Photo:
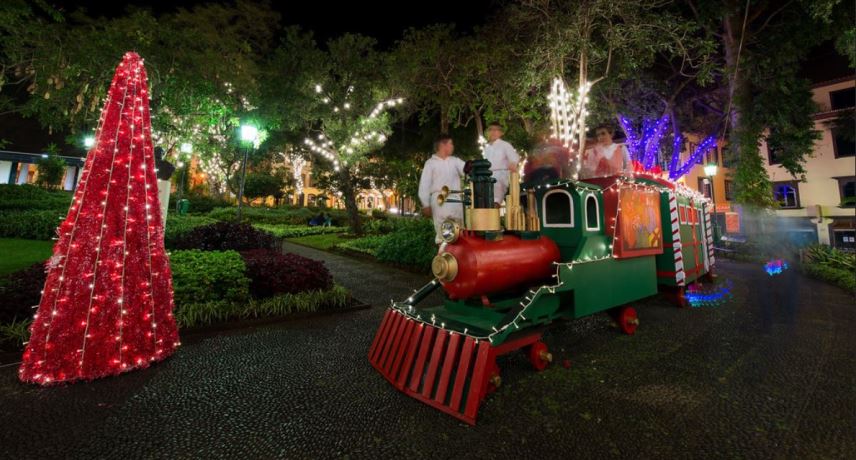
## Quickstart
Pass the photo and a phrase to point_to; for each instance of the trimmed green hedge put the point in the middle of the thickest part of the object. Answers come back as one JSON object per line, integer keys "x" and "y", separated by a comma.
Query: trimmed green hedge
{"x": 845, "y": 279}
{"x": 412, "y": 244}
{"x": 28, "y": 197}
{"x": 30, "y": 225}
{"x": 296, "y": 231}
{"x": 366, "y": 245}
{"x": 176, "y": 226}
{"x": 200, "y": 314}
{"x": 208, "y": 276}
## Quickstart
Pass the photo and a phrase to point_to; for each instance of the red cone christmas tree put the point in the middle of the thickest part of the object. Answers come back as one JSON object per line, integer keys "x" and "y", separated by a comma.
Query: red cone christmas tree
{"x": 107, "y": 303}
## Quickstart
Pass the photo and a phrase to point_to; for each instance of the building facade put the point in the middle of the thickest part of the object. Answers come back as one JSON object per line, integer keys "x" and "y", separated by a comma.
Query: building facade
{"x": 22, "y": 168}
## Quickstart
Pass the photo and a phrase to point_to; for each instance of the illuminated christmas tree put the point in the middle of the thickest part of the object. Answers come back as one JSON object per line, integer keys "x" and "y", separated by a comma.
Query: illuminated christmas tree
{"x": 107, "y": 303}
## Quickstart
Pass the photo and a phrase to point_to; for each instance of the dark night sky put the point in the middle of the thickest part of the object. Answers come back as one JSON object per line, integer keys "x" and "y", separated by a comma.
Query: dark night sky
{"x": 384, "y": 20}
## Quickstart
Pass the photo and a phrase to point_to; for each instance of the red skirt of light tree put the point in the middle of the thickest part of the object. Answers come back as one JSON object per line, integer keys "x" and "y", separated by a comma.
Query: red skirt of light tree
{"x": 107, "y": 303}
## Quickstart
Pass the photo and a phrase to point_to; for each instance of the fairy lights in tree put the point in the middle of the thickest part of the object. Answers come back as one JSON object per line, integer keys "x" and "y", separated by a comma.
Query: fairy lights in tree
{"x": 107, "y": 303}
{"x": 644, "y": 146}
{"x": 567, "y": 116}
{"x": 297, "y": 163}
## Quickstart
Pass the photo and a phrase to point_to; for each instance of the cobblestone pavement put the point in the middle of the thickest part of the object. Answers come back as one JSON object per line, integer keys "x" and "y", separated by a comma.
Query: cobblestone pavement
{"x": 753, "y": 378}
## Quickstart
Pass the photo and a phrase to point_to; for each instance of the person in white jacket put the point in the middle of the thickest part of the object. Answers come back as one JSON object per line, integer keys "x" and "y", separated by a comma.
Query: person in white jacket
{"x": 503, "y": 159}
{"x": 442, "y": 169}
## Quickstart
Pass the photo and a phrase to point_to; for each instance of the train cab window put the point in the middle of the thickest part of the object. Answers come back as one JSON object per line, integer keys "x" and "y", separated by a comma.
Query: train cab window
{"x": 592, "y": 218}
{"x": 558, "y": 209}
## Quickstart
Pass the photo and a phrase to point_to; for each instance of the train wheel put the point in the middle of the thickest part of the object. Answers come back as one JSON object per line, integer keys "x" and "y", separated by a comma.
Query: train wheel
{"x": 539, "y": 356}
{"x": 492, "y": 379}
{"x": 627, "y": 320}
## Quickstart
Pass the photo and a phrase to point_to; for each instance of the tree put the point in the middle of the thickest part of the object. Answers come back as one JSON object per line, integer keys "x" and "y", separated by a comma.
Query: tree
{"x": 262, "y": 184}
{"x": 107, "y": 303}
{"x": 51, "y": 169}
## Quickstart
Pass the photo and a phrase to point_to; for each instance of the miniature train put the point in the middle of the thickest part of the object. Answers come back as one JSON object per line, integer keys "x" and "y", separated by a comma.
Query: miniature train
{"x": 579, "y": 248}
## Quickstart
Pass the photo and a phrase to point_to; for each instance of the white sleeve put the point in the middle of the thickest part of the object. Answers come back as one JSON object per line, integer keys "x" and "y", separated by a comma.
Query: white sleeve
{"x": 459, "y": 166}
{"x": 512, "y": 155}
{"x": 425, "y": 185}
{"x": 628, "y": 163}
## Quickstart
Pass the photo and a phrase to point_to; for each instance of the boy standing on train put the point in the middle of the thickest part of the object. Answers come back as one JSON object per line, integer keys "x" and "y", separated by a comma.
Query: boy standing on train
{"x": 442, "y": 169}
{"x": 503, "y": 159}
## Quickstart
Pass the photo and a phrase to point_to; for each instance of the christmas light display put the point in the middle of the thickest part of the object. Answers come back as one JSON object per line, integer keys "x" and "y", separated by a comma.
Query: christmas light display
{"x": 697, "y": 296}
{"x": 644, "y": 146}
{"x": 297, "y": 163}
{"x": 107, "y": 303}
{"x": 775, "y": 267}
{"x": 567, "y": 114}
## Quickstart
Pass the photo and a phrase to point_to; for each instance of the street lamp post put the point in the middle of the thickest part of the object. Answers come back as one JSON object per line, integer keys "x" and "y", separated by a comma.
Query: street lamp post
{"x": 249, "y": 134}
{"x": 185, "y": 148}
{"x": 710, "y": 172}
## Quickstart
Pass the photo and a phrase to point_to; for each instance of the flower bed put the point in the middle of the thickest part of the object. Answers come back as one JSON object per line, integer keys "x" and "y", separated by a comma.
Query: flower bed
{"x": 224, "y": 236}
{"x": 296, "y": 231}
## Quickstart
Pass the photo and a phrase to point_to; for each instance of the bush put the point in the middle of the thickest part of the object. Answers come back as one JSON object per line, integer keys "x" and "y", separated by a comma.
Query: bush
{"x": 277, "y": 216}
{"x": 201, "y": 204}
{"x": 178, "y": 226}
{"x": 296, "y": 231}
{"x": 273, "y": 273}
{"x": 412, "y": 244}
{"x": 30, "y": 225}
{"x": 224, "y": 236}
{"x": 29, "y": 197}
{"x": 378, "y": 214}
{"x": 208, "y": 276}
{"x": 20, "y": 291}
{"x": 200, "y": 314}
{"x": 843, "y": 278}
{"x": 831, "y": 257}
{"x": 13, "y": 335}
{"x": 51, "y": 171}
{"x": 366, "y": 245}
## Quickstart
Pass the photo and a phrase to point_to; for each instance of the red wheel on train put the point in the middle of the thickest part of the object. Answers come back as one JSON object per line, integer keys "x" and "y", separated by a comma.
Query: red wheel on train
{"x": 539, "y": 356}
{"x": 627, "y": 320}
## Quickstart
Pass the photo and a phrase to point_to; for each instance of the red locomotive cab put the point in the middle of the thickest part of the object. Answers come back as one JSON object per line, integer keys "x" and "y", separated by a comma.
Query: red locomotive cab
{"x": 474, "y": 266}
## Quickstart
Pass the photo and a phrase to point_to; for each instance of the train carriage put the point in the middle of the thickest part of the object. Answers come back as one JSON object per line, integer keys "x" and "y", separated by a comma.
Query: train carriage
{"x": 579, "y": 248}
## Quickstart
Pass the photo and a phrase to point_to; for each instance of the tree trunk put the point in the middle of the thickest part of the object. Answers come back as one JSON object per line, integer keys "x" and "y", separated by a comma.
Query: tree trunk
{"x": 349, "y": 196}
{"x": 479, "y": 123}
{"x": 444, "y": 121}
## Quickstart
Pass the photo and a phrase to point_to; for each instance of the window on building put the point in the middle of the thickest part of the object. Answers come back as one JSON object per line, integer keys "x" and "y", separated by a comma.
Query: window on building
{"x": 558, "y": 209}
{"x": 729, "y": 190}
{"x": 592, "y": 218}
{"x": 847, "y": 190}
{"x": 713, "y": 156}
{"x": 843, "y": 142}
{"x": 786, "y": 194}
{"x": 728, "y": 160}
{"x": 842, "y": 99}
{"x": 844, "y": 239}
{"x": 774, "y": 153}
{"x": 704, "y": 186}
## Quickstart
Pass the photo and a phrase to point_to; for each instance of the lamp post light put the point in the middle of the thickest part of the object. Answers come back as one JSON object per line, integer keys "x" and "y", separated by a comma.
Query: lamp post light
{"x": 710, "y": 172}
{"x": 185, "y": 148}
{"x": 249, "y": 134}
{"x": 89, "y": 141}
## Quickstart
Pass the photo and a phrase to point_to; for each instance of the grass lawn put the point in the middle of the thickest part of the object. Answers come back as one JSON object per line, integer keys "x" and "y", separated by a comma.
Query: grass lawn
{"x": 322, "y": 242}
{"x": 18, "y": 254}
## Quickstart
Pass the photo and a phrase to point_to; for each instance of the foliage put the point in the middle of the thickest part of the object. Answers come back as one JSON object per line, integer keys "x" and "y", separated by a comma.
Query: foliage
{"x": 29, "y": 197}
{"x": 263, "y": 185}
{"x": 224, "y": 236}
{"x": 203, "y": 204}
{"x": 51, "y": 171}
{"x": 412, "y": 245}
{"x": 18, "y": 253}
{"x": 323, "y": 242}
{"x": 208, "y": 276}
{"x": 295, "y": 231}
{"x": 200, "y": 314}
{"x": 846, "y": 279}
{"x": 365, "y": 245}
{"x": 277, "y": 216}
{"x": 30, "y": 225}
{"x": 825, "y": 255}
{"x": 178, "y": 226}
{"x": 273, "y": 273}
{"x": 13, "y": 335}
{"x": 20, "y": 291}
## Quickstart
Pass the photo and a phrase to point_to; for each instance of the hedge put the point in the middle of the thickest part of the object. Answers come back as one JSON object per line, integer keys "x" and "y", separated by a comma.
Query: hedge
{"x": 28, "y": 197}
{"x": 224, "y": 236}
{"x": 296, "y": 231}
{"x": 178, "y": 226}
{"x": 366, "y": 245}
{"x": 208, "y": 276}
{"x": 31, "y": 224}
{"x": 412, "y": 244}
{"x": 272, "y": 272}
{"x": 845, "y": 279}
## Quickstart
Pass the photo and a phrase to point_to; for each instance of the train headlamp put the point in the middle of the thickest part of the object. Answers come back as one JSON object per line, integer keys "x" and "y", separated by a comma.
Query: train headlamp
{"x": 450, "y": 231}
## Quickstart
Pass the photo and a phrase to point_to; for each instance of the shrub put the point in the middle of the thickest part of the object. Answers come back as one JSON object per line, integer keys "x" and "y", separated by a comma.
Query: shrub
{"x": 201, "y": 204}
{"x": 366, "y": 245}
{"x": 208, "y": 276}
{"x": 831, "y": 257}
{"x": 277, "y": 216}
{"x": 200, "y": 314}
{"x": 51, "y": 171}
{"x": 20, "y": 291}
{"x": 30, "y": 225}
{"x": 845, "y": 279}
{"x": 13, "y": 335}
{"x": 295, "y": 231}
{"x": 224, "y": 236}
{"x": 178, "y": 226}
{"x": 412, "y": 244}
{"x": 29, "y": 197}
{"x": 378, "y": 214}
{"x": 273, "y": 273}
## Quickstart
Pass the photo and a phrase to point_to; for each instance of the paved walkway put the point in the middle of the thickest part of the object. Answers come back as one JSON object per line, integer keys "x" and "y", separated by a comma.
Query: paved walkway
{"x": 746, "y": 379}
